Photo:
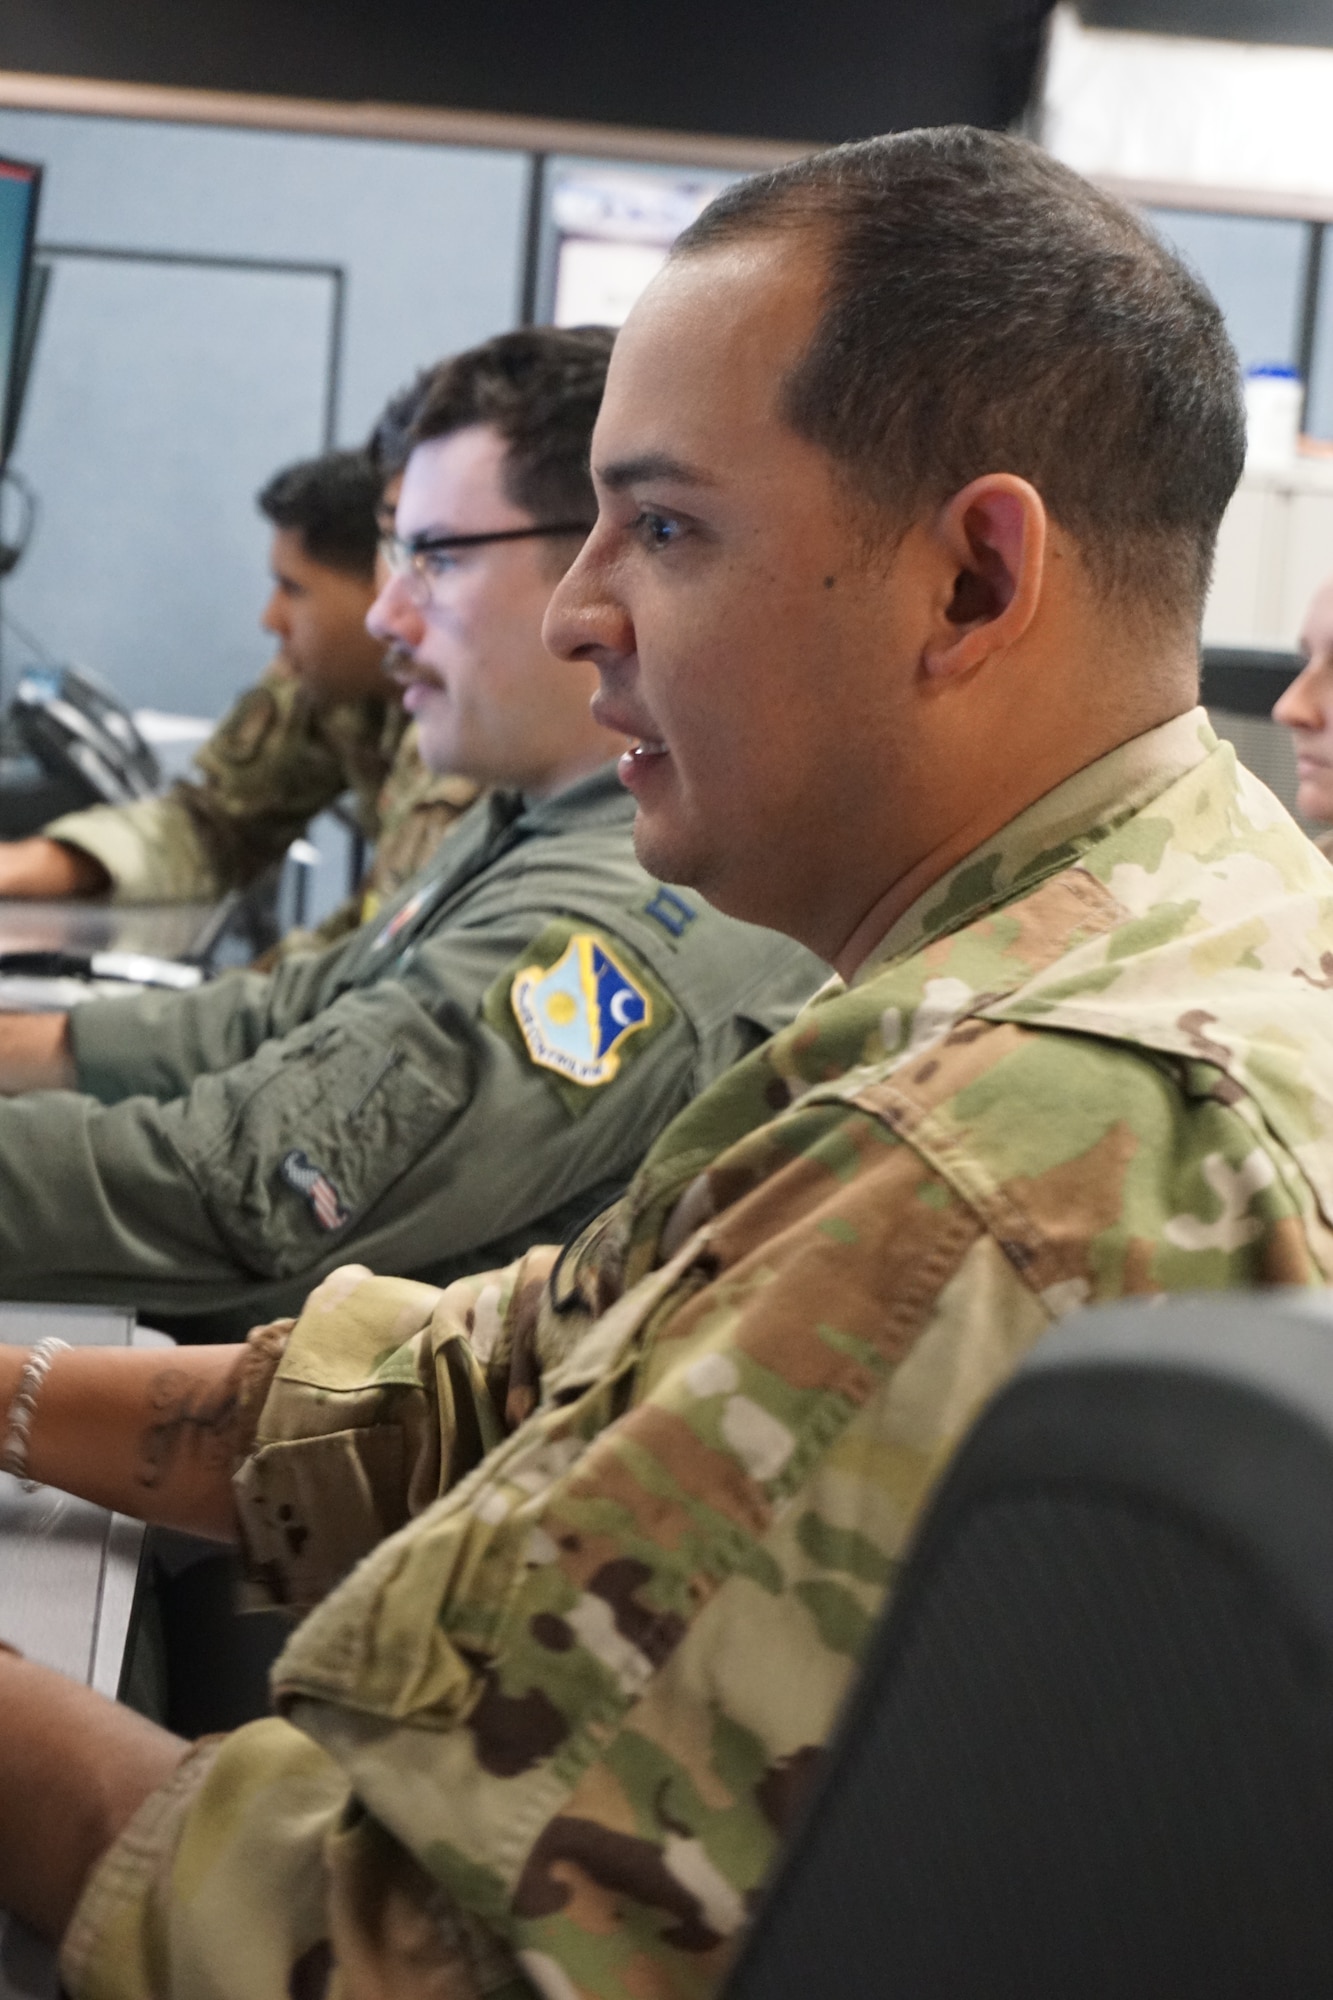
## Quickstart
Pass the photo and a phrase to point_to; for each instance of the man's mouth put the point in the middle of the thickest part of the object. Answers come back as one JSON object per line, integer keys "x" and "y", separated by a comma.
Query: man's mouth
{"x": 419, "y": 690}
{"x": 638, "y": 767}
{"x": 416, "y": 680}
{"x": 644, "y": 750}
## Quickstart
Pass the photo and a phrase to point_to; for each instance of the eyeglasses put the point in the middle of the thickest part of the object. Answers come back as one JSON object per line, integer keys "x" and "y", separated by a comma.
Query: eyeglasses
{"x": 422, "y": 560}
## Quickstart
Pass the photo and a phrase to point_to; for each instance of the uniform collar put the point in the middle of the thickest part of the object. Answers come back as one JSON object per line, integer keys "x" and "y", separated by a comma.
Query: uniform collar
{"x": 499, "y": 822}
{"x": 1050, "y": 834}
{"x": 598, "y": 799}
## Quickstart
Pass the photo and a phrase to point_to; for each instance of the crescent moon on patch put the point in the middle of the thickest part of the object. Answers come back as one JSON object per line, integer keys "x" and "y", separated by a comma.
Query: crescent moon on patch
{"x": 619, "y": 1002}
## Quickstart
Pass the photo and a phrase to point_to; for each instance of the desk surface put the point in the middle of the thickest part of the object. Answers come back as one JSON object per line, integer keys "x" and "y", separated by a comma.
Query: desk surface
{"x": 166, "y": 930}
{"x": 68, "y": 1573}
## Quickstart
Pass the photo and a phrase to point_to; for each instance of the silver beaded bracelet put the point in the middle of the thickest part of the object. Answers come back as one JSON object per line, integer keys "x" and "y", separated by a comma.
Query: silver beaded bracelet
{"x": 18, "y": 1424}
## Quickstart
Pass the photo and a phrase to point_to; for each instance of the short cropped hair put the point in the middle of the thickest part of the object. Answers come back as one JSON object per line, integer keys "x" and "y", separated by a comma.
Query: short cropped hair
{"x": 389, "y": 445}
{"x": 540, "y": 388}
{"x": 987, "y": 310}
{"x": 330, "y": 503}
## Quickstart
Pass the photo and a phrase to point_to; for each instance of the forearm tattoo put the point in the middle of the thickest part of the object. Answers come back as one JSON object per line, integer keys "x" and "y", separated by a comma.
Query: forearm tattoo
{"x": 200, "y": 1422}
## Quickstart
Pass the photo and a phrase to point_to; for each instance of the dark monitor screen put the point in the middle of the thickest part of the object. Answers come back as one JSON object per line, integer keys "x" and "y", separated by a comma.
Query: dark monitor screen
{"x": 20, "y": 184}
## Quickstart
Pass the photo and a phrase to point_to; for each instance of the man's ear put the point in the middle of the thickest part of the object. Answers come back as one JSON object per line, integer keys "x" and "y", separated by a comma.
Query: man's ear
{"x": 992, "y": 538}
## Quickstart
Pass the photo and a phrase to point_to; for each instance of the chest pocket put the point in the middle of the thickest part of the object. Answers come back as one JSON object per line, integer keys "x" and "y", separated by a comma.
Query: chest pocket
{"x": 291, "y": 1149}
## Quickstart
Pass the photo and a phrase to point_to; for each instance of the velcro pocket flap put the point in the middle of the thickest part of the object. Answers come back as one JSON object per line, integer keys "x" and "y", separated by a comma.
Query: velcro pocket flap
{"x": 290, "y": 1149}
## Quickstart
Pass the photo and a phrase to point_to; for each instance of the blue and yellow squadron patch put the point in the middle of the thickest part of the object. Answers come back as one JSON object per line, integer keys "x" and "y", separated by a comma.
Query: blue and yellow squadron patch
{"x": 575, "y": 1015}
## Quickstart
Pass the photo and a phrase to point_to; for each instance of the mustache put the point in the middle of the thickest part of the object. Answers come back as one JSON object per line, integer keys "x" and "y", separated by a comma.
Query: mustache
{"x": 399, "y": 665}
{"x": 405, "y": 670}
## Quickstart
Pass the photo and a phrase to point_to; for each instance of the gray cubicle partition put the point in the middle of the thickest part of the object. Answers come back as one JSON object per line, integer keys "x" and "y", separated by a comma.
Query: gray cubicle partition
{"x": 223, "y": 301}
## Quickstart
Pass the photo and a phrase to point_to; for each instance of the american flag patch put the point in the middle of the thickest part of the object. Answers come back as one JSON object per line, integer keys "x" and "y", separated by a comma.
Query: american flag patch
{"x": 300, "y": 1172}
{"x": 401, "y": 919}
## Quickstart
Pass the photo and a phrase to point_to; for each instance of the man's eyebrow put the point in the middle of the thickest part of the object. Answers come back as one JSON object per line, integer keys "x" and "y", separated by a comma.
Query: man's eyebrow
{"x": 650, "y": 465}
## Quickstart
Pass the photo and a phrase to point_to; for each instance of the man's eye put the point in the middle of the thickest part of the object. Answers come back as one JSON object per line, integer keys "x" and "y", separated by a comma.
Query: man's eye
{"x": 657, "y": 531}
{"x": 437, "y": 562}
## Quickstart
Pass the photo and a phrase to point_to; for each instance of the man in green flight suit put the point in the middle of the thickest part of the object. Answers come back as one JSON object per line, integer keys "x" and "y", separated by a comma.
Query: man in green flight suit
{"x": 321, "y": 722}
{"x": 910, "y": 469}
{"x": 490, "y": 1057}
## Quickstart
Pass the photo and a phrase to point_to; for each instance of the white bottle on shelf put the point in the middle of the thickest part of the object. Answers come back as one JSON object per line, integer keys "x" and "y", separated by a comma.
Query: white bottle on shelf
{"x": 1274, "y": 400}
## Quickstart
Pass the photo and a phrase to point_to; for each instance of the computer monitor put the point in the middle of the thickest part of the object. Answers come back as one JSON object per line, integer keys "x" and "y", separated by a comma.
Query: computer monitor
{"x": 606, "y": 228}
{"x": 20, "y": 298}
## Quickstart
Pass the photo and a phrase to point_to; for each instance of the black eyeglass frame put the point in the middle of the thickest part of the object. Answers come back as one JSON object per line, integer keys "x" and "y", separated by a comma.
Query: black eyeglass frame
{"x": 426, "y": 545}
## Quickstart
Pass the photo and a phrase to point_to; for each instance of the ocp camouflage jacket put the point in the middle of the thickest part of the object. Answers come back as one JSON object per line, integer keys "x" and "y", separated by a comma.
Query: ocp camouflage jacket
{"x": 548, "y": 1732}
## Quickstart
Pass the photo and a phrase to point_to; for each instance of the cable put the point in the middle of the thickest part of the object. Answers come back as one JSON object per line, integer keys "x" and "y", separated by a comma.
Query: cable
{"x": 42, "y": 654}
{"x": 12, "y": 553}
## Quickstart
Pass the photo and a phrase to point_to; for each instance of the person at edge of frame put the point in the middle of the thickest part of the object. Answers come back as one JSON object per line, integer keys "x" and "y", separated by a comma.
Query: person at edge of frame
{"x": 910, "y": 469}
{"x": 1306, "y": 709}
{"x": 486, "y": 1061}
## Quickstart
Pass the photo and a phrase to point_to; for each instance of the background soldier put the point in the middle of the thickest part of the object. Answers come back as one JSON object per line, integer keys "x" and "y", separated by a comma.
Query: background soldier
{"x": 322, "y": 722}
{"x": 488, "y": 1060}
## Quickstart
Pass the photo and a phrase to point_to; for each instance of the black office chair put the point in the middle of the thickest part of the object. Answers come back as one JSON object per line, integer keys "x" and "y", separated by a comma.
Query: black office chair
{"x": 1091, "y": 1756}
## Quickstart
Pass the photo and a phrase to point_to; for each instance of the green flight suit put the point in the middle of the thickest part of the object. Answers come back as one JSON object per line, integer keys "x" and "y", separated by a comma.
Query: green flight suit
{"x": 424, "y": 1096}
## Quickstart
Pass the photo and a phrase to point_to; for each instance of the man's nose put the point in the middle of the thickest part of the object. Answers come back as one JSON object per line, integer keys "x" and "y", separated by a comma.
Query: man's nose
{"x": 1300, "y": 707}
{"x": 273, "y": 618}
{"x": 394, "y": 614}
{"x": 584, "y": 619}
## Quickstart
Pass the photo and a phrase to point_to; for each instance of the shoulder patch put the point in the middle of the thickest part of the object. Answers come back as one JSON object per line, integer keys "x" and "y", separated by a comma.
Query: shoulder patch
{"x": 579, "y": 1004}
{"x": 575, "y": 1014}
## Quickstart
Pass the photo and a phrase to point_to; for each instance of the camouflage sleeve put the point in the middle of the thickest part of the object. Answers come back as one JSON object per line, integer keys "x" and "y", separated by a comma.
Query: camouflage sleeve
{"x": 386, "y": 1394}
{"x": 554, "y": 1690}
{"x": 562, "y": 1579}
{"x": 153, "y": 849}
{"x": 253, "y": 1866}
{"x": 251, "y": 1874}
{"x": 271, "y": 765}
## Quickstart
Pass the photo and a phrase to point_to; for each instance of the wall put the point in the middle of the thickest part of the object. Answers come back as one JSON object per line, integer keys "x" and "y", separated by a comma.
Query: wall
{"x": 221, "y": 299}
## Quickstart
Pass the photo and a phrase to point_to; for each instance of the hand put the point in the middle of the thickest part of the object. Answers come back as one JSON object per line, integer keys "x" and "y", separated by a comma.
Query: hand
{"x": 35, "y": 1053}
{"x": 49, "y": 868}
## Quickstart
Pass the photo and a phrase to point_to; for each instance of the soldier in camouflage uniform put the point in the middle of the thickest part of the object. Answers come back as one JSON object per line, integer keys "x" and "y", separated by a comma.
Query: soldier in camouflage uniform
{"x": 321, "y": 722}
{"x": 591, "y": 1545}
